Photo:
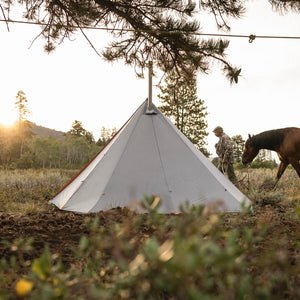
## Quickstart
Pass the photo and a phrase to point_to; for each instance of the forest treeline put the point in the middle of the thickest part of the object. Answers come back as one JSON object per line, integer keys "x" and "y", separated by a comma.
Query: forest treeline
{"x": 20, "y": 147}
{"x": 23, "y": 147}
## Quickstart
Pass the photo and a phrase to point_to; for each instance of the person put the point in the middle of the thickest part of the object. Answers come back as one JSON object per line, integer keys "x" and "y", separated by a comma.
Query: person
{"x": 224, "y": 150}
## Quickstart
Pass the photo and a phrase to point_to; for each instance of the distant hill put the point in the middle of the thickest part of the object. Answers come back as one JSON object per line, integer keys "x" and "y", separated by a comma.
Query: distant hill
{"x": 44, "y": 132}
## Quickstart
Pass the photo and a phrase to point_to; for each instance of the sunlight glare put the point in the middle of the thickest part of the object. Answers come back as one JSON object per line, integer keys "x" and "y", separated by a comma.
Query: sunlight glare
{"x": 8, "y": 117}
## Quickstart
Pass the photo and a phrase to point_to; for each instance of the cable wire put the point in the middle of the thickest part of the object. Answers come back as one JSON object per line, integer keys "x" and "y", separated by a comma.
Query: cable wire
{"x": 251, "y": 37}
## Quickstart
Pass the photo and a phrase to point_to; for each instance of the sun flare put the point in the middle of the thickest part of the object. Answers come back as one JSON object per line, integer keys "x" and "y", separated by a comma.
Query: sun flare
{"x": 8, "y": 118}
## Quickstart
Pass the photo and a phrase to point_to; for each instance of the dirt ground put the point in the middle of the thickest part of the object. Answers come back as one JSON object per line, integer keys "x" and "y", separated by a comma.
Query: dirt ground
{"x": 61, "y": 230}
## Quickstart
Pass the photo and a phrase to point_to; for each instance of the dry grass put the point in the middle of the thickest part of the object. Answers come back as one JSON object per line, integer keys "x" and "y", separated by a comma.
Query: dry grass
{"x": 24, "y": 191}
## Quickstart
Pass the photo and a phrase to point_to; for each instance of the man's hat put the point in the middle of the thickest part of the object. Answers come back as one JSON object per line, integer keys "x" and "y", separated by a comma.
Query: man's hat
{"x": 218, "y": 128}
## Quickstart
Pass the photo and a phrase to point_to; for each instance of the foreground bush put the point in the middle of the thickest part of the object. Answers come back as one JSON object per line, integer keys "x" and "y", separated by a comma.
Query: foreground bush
{"x": 187, "y": 256}
{"x": 121, "y": 255}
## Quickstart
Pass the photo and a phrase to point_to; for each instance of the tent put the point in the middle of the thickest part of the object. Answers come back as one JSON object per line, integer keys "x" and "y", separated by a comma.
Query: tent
{"x": 148, "y": 156}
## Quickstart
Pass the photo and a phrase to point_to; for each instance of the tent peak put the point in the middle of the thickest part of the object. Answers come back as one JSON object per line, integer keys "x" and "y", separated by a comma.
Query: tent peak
{"x": 150, "y": 110}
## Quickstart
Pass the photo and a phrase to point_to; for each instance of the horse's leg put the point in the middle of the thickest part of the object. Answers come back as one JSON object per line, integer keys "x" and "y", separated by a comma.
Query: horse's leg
{"x": 296, "y": 165}
{"x": 281, "y": 169}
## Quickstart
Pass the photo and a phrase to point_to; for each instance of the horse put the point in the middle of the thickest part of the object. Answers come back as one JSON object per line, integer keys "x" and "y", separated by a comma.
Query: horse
{"x": 285, "y": 142}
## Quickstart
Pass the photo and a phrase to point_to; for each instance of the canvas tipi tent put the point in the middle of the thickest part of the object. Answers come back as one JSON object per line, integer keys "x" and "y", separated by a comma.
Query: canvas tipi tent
{"x": 148, "y": 156}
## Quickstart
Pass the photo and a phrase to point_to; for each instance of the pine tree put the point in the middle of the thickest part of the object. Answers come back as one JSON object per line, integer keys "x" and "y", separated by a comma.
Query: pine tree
{"x": 286, "y": 5}
{"x": 181, "y": 104}
{"x": 238, "y": 144}
{"x": 21, "y": 104}
{"x": 77, "y": 130}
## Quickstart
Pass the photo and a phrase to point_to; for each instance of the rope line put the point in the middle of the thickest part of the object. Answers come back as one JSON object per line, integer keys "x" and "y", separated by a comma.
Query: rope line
{"x": 251, "y": 37}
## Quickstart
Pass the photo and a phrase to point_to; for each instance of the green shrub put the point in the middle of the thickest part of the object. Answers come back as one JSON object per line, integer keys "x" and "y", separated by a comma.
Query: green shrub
{"x": 198, "y": 259}
{"x": 196, "y": 254}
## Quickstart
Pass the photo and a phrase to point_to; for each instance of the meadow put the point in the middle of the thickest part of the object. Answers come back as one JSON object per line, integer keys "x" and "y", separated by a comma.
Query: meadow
{"x": 50, "y": 254}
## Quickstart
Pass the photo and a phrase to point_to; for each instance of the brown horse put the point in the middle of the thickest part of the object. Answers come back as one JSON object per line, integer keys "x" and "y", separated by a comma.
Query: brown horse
{"x": 285, "y": 141}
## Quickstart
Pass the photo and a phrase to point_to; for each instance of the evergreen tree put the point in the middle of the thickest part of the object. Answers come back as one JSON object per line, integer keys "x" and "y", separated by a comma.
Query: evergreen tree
{"x": 286, "y": 5}
{"x": 77, "y": 130}
{"x": 21, "y": 104}
{"x": 238, "y": 145}
{"x": 181, "y": 104}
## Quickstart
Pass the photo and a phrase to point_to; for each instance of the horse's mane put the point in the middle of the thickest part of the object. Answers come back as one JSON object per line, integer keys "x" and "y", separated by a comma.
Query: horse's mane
{"x": 270, "y": 139}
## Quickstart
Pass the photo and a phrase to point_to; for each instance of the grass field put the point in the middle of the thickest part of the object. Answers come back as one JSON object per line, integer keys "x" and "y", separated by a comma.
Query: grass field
{"x": 50, "y": 254}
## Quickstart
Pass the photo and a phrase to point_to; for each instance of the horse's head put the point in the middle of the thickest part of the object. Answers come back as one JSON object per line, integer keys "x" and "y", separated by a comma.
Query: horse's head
{"x": 249, "y": 151}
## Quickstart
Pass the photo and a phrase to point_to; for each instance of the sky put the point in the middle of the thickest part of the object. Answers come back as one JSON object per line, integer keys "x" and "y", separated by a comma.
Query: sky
{"x": 73, "y": 83}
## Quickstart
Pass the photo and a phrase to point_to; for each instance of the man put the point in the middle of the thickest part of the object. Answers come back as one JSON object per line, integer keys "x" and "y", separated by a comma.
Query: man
{"x": 224, "y": 149}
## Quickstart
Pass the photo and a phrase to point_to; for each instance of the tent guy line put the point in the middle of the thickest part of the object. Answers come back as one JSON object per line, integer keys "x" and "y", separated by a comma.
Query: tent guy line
{"x": 251, "y": 37}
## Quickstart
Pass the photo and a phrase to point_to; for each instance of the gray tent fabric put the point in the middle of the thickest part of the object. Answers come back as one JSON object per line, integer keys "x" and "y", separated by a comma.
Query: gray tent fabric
{"x": 149, "y": 156}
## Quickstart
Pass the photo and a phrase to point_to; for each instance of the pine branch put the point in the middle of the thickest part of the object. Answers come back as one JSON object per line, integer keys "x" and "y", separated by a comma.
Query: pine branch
{"x": 162, "y": 30}
{"x": 286, "y": 5}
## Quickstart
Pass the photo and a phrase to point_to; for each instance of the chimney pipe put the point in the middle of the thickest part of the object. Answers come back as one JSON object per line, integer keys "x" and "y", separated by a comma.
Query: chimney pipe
{"x": 150, "y": 110}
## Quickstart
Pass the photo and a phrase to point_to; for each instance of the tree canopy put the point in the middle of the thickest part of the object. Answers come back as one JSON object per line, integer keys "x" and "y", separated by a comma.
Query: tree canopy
{"x": 238, "y": 144}
{"x": 180, "y": 103}
{"x": 21, "y": 104}
{"x": 163, "y": 31}
{"x": 77, "y": 130}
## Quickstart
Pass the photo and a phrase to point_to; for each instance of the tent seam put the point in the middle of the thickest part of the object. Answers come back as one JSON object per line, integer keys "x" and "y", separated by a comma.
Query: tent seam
{"x": 118, "y": 159}
{"x": 159, "y": 153}
{"x": 92, "y": 160}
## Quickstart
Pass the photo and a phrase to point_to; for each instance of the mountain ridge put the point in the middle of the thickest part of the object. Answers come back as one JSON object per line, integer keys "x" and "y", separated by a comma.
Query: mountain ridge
{"x": 44, "y": 132}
